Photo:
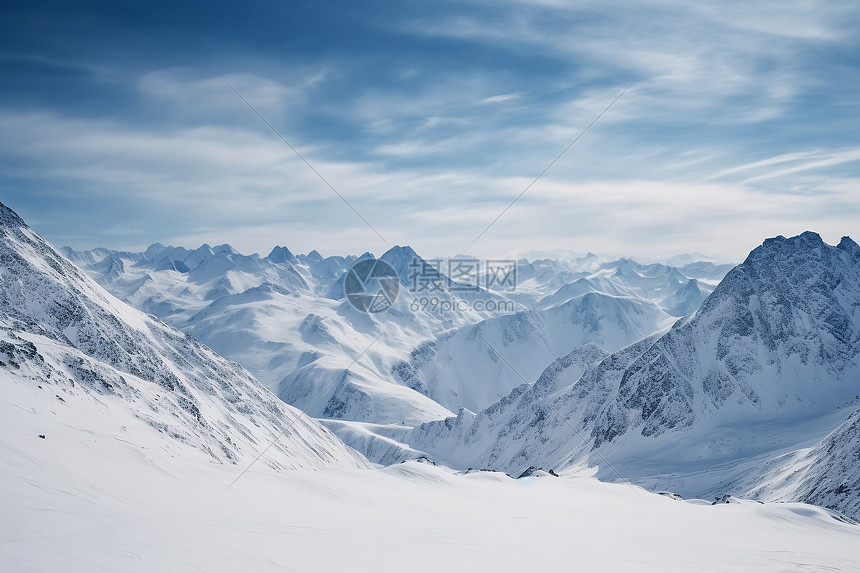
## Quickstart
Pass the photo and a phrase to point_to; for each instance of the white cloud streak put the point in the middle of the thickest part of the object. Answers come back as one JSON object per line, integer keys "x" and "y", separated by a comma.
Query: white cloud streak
{"x": 430, "y": 162}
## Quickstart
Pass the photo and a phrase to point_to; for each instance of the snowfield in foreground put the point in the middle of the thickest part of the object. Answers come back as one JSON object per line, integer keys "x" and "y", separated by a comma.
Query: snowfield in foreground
{"x": 86, "y": 500}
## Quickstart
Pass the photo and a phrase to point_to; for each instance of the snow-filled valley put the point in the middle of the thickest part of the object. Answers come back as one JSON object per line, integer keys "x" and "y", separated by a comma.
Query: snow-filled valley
{"x": 337, "y": 439}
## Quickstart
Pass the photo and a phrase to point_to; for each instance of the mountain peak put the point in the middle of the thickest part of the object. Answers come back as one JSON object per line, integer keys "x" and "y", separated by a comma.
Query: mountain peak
{"x": 8, "y": 217}
{"x": 803, "y": 245}
{"x": 203, "y": 250}
{"x": 225, "y": 248}
{"x": 848, "y": 245}
{"x": 806, "y": 238}
{"x": 691, "y": 286}
{"x": 281, "y": 255}
{"x": 399, "y": 253}
{"x": 153, "y": 250}
{"x": 405, "y": 260}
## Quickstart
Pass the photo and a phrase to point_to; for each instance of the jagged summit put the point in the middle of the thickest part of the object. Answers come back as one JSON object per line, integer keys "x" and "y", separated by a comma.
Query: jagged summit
{"x": 8, "y": 217}
{"x": 771, "y": 360}
{"x": 805, "y": 240}
{"x": 400, "y": 252}
{"x": 281, "y": 255}
{"x": 314, "y": 256}
{"x": 848, "y": 245}
{"x": 224, "y": 249}
{"x": 686, "y": 300}
{"x": 405, "y": 261}
{"x": 62, "y": 331}
{"x": 154, "y": 250}
{"x": 774, "y": 339}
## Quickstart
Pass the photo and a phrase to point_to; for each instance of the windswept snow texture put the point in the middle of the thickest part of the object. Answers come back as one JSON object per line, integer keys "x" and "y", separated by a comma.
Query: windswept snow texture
{"x": 832, "y": 478}
{"x": 767, "y": 364}
{"x": 78, "y": 357}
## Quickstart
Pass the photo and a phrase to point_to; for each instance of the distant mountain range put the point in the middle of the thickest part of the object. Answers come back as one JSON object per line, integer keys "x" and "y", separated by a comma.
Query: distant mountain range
{"x": 701, "y": 379}
{"x": 285, "y": 318}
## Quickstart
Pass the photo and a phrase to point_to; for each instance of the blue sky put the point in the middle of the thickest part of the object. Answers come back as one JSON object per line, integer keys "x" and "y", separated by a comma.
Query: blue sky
{"x": 118, "y": 128}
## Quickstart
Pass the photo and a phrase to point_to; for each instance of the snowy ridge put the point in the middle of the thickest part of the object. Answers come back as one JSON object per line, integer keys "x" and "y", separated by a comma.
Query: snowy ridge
{"x": 778, "y": 339}
{"x": 69, "y": 347}
{"x": 462, "y": 369}
{"x": 284, "y": 318}
{"x": 831, "y": 472}
{"x": 530, "y": 426}
{"x": 826, "y": 474}
{"x": 676, "y": 291}
{"x": 767, "y": 362}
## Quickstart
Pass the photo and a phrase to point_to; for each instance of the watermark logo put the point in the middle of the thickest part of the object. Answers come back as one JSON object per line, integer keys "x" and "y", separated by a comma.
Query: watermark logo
{"x": 439, "y": 305}
{"x": 461, "y": 284}
{"x": 437, "y": 285}
{"x": 371, "y": 285}
{"x": 462, "y": 274}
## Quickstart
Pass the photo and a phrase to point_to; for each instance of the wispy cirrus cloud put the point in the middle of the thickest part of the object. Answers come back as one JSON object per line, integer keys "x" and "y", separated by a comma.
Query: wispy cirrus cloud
{"x": 500, "y": 98}
{"x": 242, "y": 187}
{"x": 790, "y": 164}
{"x": 430, "y": 120}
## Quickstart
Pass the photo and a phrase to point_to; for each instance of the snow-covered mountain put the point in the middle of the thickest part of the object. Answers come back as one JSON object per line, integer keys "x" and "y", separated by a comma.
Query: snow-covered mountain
{"x": 78, "y": 356}
{"x": 769, "y": 363}
{"x": 529, "y": 426}
{"x": 677, "y": 291}
{"x": 284, "y": 317}
{"x": 474, "y": 366}
{"x": 777, "y": 341}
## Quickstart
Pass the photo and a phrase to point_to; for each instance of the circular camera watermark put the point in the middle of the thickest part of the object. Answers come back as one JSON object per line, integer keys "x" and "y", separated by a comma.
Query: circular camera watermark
{"x": 371, "y": 285}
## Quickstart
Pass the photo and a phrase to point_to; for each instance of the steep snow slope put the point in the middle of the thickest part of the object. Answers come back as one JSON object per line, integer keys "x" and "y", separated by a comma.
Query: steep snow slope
{"x": 529, "y": 426}
{"x": 765, "y": 364}
{"x": 316, "y": 353}
{"x": 826, "y": 474}
{"x": 461, "y": 369}
{"x": 777, "y": 341}
{"x": 832, "y": 478}
{"x": 78, "y": 356}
